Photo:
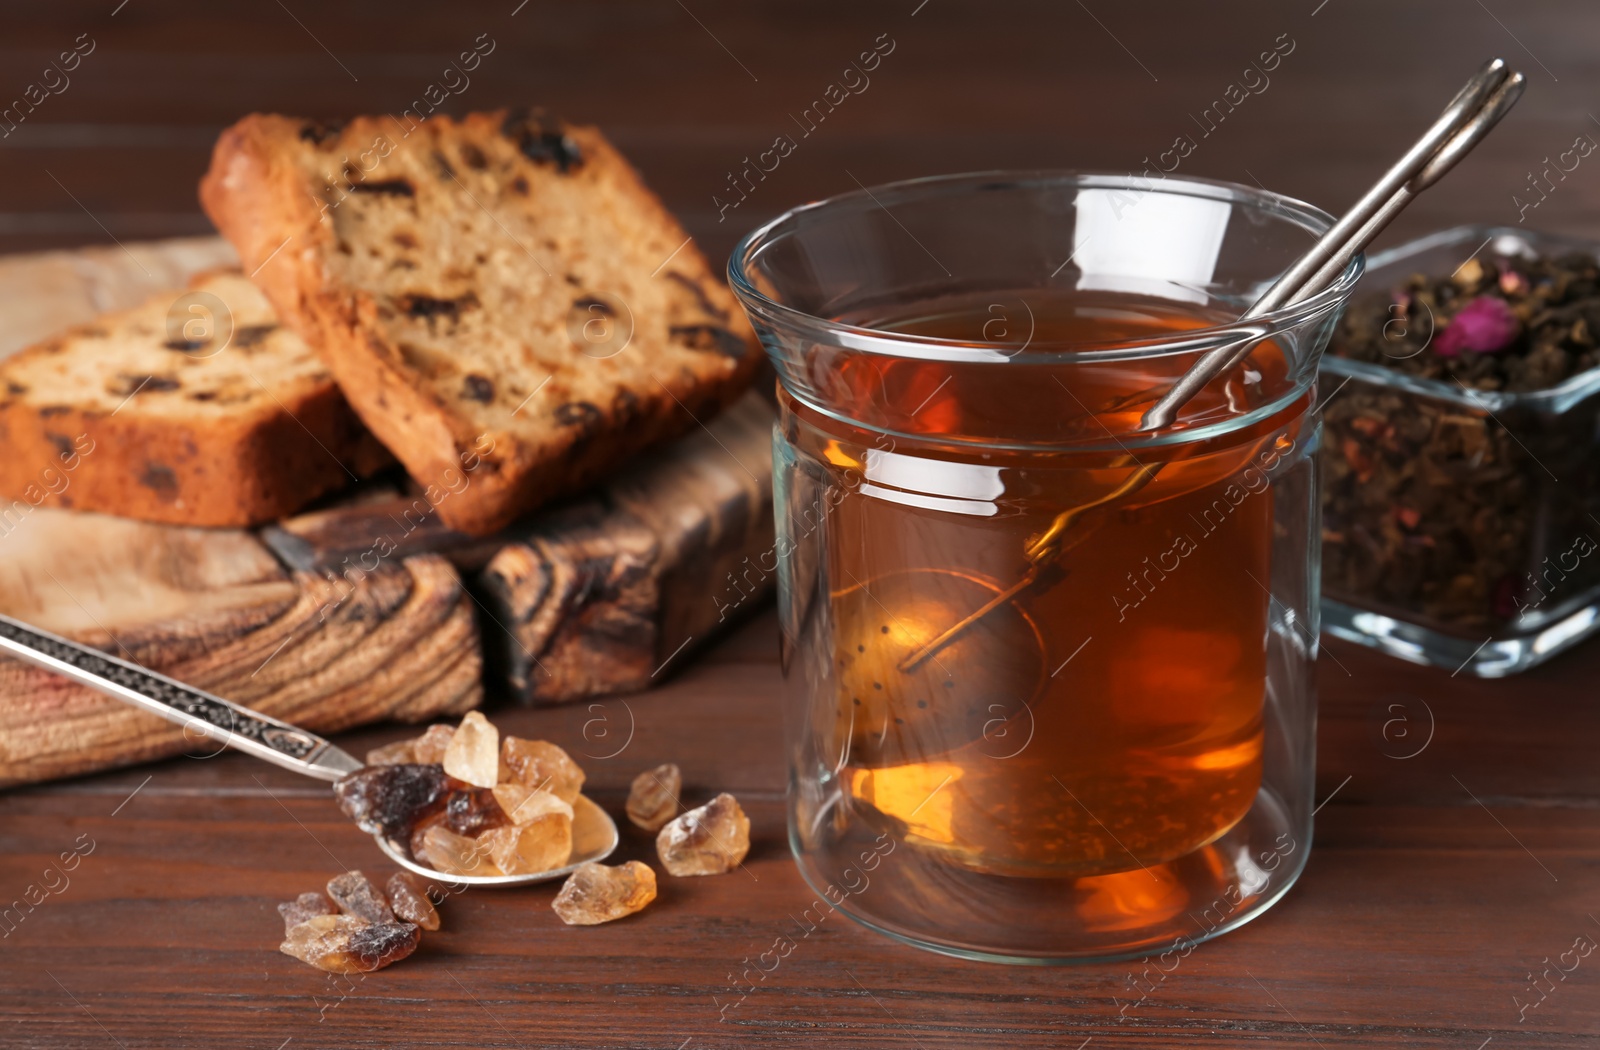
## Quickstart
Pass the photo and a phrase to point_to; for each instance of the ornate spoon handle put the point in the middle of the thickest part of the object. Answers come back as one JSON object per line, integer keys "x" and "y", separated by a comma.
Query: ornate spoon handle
{"x": 239, "y": 727}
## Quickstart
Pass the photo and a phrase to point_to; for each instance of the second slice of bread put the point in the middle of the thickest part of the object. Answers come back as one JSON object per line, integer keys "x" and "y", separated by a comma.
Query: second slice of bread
{"x": 501, "y": 299}
{"x": 194, "y": 408}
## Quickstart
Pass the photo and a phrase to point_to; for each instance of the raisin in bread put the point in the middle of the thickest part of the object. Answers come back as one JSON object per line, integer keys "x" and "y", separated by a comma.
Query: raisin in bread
{"x": 495, "y": 294}
{"x": 195, "y": 408}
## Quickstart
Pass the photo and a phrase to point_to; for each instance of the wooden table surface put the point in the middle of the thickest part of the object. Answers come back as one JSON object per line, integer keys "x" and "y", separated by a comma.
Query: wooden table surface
{"x": 1457, "y": 855}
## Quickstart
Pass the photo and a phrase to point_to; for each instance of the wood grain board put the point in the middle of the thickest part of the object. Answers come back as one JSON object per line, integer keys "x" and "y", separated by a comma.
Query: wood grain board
{"x": 213, "y": 608}
{"x": 44, "y": 292}
{"x": 601, "y": 597}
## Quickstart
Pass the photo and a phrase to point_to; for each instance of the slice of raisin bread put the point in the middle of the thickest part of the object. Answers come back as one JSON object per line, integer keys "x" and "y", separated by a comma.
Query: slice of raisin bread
{"x": 501, "y": 298}
{"x": 195, "y": 408}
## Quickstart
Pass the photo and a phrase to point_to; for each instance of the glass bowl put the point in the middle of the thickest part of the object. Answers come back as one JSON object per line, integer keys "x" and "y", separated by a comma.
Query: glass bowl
{"x": 1459, "y": 525}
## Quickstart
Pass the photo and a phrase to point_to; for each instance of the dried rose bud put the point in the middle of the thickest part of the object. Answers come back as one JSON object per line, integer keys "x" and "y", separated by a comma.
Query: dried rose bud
{"x": 1484, "y": 326}
{"x": 1511, "y": 282}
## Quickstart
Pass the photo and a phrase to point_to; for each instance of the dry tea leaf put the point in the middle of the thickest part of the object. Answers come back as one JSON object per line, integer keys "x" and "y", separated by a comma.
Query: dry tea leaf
{"x": 345, "y": 944}
{"x": 397, "y": 753}
{"x": 541, "y": 764}
{"x": 430, "y": 746}
{"x": 595, "y": 893}
{"x": 474, "y": 752}
{"x": 391, "y": 800}
{"x": 706, "y": 841}
{"x": 444, "y": 851}
{"x": 1428, "y": 504}
{"x": 306, "y": 906}
{"x": 410, "y": 901}
{"x": 357, "y": 895}
{"x": 653, "y": 799}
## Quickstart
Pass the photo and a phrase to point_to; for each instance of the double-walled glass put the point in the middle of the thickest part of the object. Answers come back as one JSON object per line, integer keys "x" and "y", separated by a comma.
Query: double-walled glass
{"x": 1049, "y": 677}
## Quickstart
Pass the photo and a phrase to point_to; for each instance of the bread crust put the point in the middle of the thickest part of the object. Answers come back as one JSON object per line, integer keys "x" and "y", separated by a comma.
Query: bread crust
{"x": 178, "y": 474}
{"x": 585, "y": 419}
{"x": 219, "y": 468}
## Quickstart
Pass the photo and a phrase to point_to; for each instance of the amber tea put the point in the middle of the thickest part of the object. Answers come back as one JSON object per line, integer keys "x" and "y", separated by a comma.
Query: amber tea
{"x": 1109, "y": 716}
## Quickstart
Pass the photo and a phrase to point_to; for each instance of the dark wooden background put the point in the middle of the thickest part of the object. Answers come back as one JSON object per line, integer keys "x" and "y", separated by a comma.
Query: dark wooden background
{"x": 1438, "y": 881}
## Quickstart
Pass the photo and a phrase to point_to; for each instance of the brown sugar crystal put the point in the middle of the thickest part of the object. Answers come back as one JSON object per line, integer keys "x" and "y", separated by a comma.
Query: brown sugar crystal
{"x": 474, "y": 752}
{"x": 392, "y": 800}
{"x": 346, "y": 944}
{"x": 522, "y": 804}
{"x": 541, "y": 764}
{"x": 474, "y": 811}
{"x": 306, "y": 906}
{"x": 444, "y": 851}
{"x": 540, "y": 841}
{"x": 596, "y": 893}
{"x": 410, "y": 901}
{"x": 429, "y": 748}
{"x": 653, "y": 799}
{"x": 706, "y": 841}
{"x": 359, "y": 896}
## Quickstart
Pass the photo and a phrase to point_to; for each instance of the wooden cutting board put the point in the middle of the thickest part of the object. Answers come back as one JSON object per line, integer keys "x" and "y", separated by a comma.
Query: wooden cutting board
{"x": 369, "y": 609}
{"x": 215, "y": 609}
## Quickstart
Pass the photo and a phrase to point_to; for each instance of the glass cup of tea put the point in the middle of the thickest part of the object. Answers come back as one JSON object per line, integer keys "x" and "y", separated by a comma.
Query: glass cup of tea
{"x": 1049, "y": 686}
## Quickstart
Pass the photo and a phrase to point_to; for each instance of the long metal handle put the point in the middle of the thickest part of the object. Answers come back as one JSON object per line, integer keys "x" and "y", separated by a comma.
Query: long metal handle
{"x": 228, "y": 723}
{"x": 1475, "y": 110}
{"x": 1463, "y": 109}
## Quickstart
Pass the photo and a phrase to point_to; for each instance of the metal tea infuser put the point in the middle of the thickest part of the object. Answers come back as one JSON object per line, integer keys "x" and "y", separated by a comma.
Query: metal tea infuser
{"x": 892, "y": 641}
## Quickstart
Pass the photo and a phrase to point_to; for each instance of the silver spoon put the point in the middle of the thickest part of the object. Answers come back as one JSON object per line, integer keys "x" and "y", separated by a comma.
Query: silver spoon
{"x": 594, "y": 833}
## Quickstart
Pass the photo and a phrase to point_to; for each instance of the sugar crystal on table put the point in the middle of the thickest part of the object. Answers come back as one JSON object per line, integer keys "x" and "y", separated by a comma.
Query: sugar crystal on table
{"x": 306, "y": 906}
{"x": 596, "y": 893}
{"x": 653, "y": 798}
{"x": 401, "y": 751}
{"x": 359, "y": 896}
{"x": 346, "y": 944}
{"x": 410, "y": 902}
{"x": 706, "y": 841}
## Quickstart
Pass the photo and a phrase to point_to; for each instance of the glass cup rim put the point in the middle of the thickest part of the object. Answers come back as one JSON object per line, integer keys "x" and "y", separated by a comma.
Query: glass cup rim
{"x": 898, "y": 344}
